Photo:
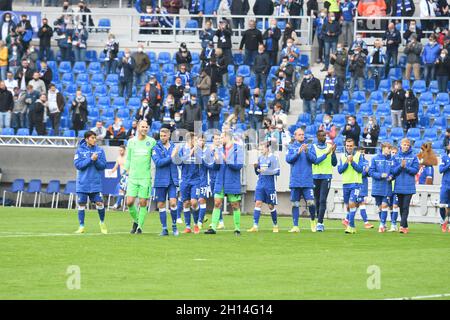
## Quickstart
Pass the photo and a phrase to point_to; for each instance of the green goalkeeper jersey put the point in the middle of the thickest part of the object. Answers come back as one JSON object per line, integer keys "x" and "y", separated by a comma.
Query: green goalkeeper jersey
{"x": 139, "y": 157}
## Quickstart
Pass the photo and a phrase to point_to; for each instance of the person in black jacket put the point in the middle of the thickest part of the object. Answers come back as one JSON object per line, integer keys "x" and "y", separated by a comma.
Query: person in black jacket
{"x": 111, "y": 50}
{"x": 370, "y": 135}
{"x": 397, "y": 95}
{"x": 287, "y": 68}
{"x": 393, "y": 40}
{"x": 240, "y": 98}
{"x": 352, "y": 130}
{"x": 213, "y": 109}
{"x": 126, "y": 67}
{"x": 212, "y": 70}
{"x": 207, "y": 53}
{"x": 37, "y": 116}
{"x": 251, "y": 38}
{"x": 240, "y": 8}
{"x": 257, "y": 110}
{"x": 79, "y": 112}
{"x": 191, "y": 113}
{"x": 223, "y": 34}
{"x": 24, "y": 75}
{"x": 46, "y": 74}
{"x": 261, "y": 68}
{"x": 310, "y": 90}
{"x": 45, "y": 34}
{"x": 330, "y": 31}
{"x": 86, "y": 18}
{"x": 183, "y": 56}
{"x": 145, "y": 112}
{"x": 263, "y": 8}
{"x": 442, "y": 70}
{"x": 6, "y": 106}
{"x": 295, "y": 8}
{"x": 177, "y": 90}
{"x": 411, "y": 106}
{"x": 272, "y": 37}
{"x": 24, "y": 29}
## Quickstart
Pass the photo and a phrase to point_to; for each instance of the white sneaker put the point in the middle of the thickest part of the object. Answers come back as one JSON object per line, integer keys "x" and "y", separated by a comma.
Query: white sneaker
{"x": 393, "y": 228}
{"x": 179, "y": 221}
{"x": 221, "y": 225}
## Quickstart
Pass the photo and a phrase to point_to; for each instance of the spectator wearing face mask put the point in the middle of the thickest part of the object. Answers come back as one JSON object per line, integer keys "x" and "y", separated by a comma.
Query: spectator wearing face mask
{"x": 279, "y": 99}
{"x": 45, "y": 34}
{"x": 413, "y": 28}
{"x": 339, "y": 60}
{"x": 370, "y": 135}
{"x": 359, "y": 42}
{"x": 111, "y": 50}
{"x": 10, "y": 82}
{"x": 131, "y": 133}
{"x": 251, "y": 39}
{"x": 55, "y": 107}
{"x": 427, "y": 10}
{"x": 318, "y": 23}
{"x": 442, "y": 70}
{"x": 38, "y": 116}
{"x": 331, "y": 93}
{"x": 272, "y": 37}
{"x": 79, "y": 112}
{"x": 191, "y": 113}
{"x": 393, "y": 40}
{"x": 116, "y": 133}
{"x": 310, "y": 90}
{"x": 410, "y": 112}
{"x": 142, "y": 64}
{"x": 280, "y": 136}
{"x": 278, "y": 115}
{"x": 413, "y": 49}
{"x": 6, "y": 26}
{"x": 79, "y": 42}
{"x": 24, "y": 74}
{"x": 223, "y": 34}
{"x": 257, "y": 110}
{"x": 25, "y": 31}
{"x": 183, "y": 56}
{"x": 99, "y": 130}
{"x": 168, "y": 110}
{"x": 291, "y": 51}
{"x": 286, "y": 67}
{"x": 86, "y": 18}
{"x": 348, "y": 10}
{"x": 173, "y": 6}
{"x": 148, "y": 21}
{"x": 207, "y": 53}
{"x": 214, "y": 73}
{"x": 145, "y": 112}
{"x": 204, "y": 88}
{"x": 207, "y": 34}
{"x": 126, "y": 67}
{"x": 32, "y": 57}
{"x": 377, "y": 58}
{"x": 430, "y": 54}
{"x": 240, "y": 98}
{"x": 213, "y": 109}
{"x": 357, "y": 69}
{"x": 261, "y": 68}
{"x": 352, "y": 130}
{"x": 329, "y": 128}
{"x": 185, "y": 76}
{"x": 19, "y": 110}
{"x": 37, "y": 84}
{"x": 177, "y": 90}
{"x": 64, "y": 39}
{"x": 402, "y": 8}
{"x": 331, "y": 30}
{"x": 30, "y": 99}
{"x": 284, "y": 87}
{"x": 397, "y": 95}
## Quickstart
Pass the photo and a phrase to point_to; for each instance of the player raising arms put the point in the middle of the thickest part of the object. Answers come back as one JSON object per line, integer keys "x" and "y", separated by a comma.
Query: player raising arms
{"x": 166, "y": 180}
{"x": 138, "y": 167}
{"x": 187, "y": 158}
{"x": 90, "y": 162}
{"x": 301, "y": 157}
{"x": 444, "y": 168}
{"x": 230, "y": 158}
{"x": 267, "y": 168}
{"x": 380, "y": 171}
{"x": 351, "y": 167}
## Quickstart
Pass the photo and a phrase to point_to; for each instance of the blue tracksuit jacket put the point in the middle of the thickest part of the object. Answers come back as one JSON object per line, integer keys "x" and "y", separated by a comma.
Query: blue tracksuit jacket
{"x": 166, "y": 172}
{"x": 89, "y": 172}
{"x": 301, "y": 166}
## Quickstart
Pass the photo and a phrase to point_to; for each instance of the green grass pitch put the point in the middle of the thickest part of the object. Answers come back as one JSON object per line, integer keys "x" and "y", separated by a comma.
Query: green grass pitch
{"x": 38, "y": 245}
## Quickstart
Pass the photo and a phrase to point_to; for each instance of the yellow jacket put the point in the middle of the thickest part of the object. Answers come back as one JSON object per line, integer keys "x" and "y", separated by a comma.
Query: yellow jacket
{"x": 4, "y": 57}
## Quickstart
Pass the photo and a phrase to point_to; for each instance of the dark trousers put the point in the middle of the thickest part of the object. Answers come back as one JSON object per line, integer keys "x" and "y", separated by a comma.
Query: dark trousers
{"x": 390, "y": 55}
{"x": 238, "y": 23}
{"x": 273, "y": 55}
{"x": 321, "y": 189}
{"x": 128, "y": 85}
{"x": 55, "y": 119}
{"x": 403, "y": 204}
{"x": 44, "y": 53}
{"x": 442, "y": 83}
{"x": 239, "y": 111}
{"x": 331, "y": 106}
{"x": 321, "y": 49}
{"x": 39, "y": 126}
{"x": 261, "y": 79}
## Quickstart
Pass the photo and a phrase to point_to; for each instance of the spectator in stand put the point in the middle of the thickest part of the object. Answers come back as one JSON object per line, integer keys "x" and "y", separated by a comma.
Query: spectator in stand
{"x": 286, "y": 67}
{"x": 86, "y": 18}
{"x": 154, "y": 94}
{"x": 64, "y": 40}
{"x": 68, "y": 17}
{"x": 312, "y": 9}
{"x": 359, "y": 42}
{"x": 210, "y": 8}
{"x": 169, "y": 109}
{"x": 279, "y": 99}
{"x": 10, "y": 82}
{"x": 427, "y": 10}
{"x": 25, "y": 31}
{"x": 348, "y": 10}
{"x": 145, "y": 112}
{"x": 272, "y": 37}
{"x": 402, "y": 8}
{"x": 413, "y": 50}
{"x": 339, "y": 60}
{"x": 281, "y": 11}
{"x": 352, "y": 130}
{"x": 329, "y": 128}
{"x": 116, "y": 133}
{"x": 213, "y": 109}
{"x": 203, "y": 88}
{"x": 55, "y": 108}
{"x": 370, "y": 135}
{"x": 3, "y": 60}
{"x": 240, "y": 98}
{"x": 310, "y": 90}
{"x": 24, "y": 74}
{"x": 191, "y": 113}
{"x": 6, "y": 26}
{"x": 332, "y": 6}
{"x": 393, "y": 40}
{"x": 330, "y": 30}
{"x": 212, "y": 70}
{"x": 289, "y": 33}
{"x": 223, "y": 35}
{"x": 440, "y": 35}
{"x": 207, "y": 53}
{"x": 397, "y": 95}
{"x": 185, "y": 76}
{"x": 291, "y": 51}
{"x": 194, "y": 11}
{"x": 30, "y": 99}
{"x": 79, "y": 42}
{"x": 37, "y": 84}
{"x": 14, "y": 61}
{"x": 442, "y": 70}
{"x": 45, "y": 35}
{"x": 318, "y": 24}
{"x": 79, "y": 112}
{"x": 111, "y": 50}
{"x": 278, "y": 115}
{"x": 251, "y": 38}
{"x": 295, "y": 9}
{"x": 46, "y": 74}
{"x": 412, "y": 28}
{"x": 173, "y": 6}
{"x": 410, "y": 112}
{"x": 377, "y": 58}
{"x": 132, "y": 131}
{"x": 283, "y": 86}
{"x": 280, "y": 136}
{"x": 126, "y": 67}
{"x": 222, "y": 67}
{"x": 148, "y": 21}
{"x": 430, "y": 55}
{"x": 32, "y": 57}
{"x": 330, "y": 93}
{"x": 38, "y": 116}
{"x": 183, "y": 56}
{"x": 263, "y": 8}
{"x": 6, "y": 106}
{"x": 258, "y": 110}
{"x": 177, "y": 91}
{"x": 239, "y": 8}
{"x": 446, "y": 143}
{"x": 207, "y": 34}
{"x": 142, "y": 64}
{"x": 100, "y": 131}
{"x": 261, "y": 68}
{"x": 357, "y": 68}
{"x": 19, "y": 110}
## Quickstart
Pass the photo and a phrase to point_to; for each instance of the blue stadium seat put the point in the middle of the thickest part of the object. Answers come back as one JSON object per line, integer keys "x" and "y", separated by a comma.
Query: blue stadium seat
{"x": 79, "y": 67}
{"x": 446, "y": 111}
{"x": 339, "y": 120}
{"x": 195, "y": 71}
{"x": 419, "y": 86}
{"x": 156, "y": 126}
{"x": 430, "y": 134}
{"x": 101, "y": 91}
{"x": 385, "y": 85}
{"x": 154, "y": 69}
{"x": 17, "y": 187}
{"x": 53, "y": 66}
{"x": 442, "y": 99}
{"x": 304, "y": 119}
{"x": 67, "y": 79}
{"x": 168, "y": 70}
{"x": 402, "y": 61}
{"x": 103, "y": 102}
{"x": 405, "y": 84}
{"x": 82, "y": 79}
{"x": 344, "y": 97}
{"x": 366, "y": 109}
{"x": 104, "y": 25}
{"x": 123, "y": 113}
{"x": 426, "y": 99}
{"x": 437, "y": 145}
{"x": 94, "y": 68}
{"x": 440, "y": 123}
{"x": 395, "y": 74}
{"x": 97, "y": 79}
{"x": 369, "y": 85}
{"x": 359, "y": 97}
{"x": 376, "y": 97}
{"x": 281, "y": 24}
{"x": 383, "y": 110}
{"x": 310, "y": 131}
{"x": 303, "y": 61}
{"x": 191, "y": 24}
{"x": 383, "y": 134}
{"x": 243, "y": 71}
{"x": 433, "y": 87}
{"x": 81, "y": 133}
{"x": 397, "y": 133}
{"x": 119, "y": 103}
{"x": 69, "y": 133}
{"x": 114, "y": 92}
{"x": 164, "y": 58}
{"x": 434, "y": 111}
{"x": 112, "y": 79}
{"x": 152, "y": 57}
{"x": 413, "y": 134}
{"x": 93, "y": 112}
{"x": 53, "y": 189}
{"x": 86, "y": 90}
{"x": 71, "y": 90}
{"x": 134, "y": 103}
{"x": 238, "y": 58}
{"x": 91, "y": 56}
{"x": 424, "y": 121}
{"x": 387, "y": 122}
{"x": 65, "y": 67}
{"x": 108, "y": 113}
{"x": 23, "y": 132}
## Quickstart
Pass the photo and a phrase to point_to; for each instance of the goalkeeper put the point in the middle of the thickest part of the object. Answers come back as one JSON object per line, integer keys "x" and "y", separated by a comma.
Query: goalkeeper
{"x": 138, "y": 167}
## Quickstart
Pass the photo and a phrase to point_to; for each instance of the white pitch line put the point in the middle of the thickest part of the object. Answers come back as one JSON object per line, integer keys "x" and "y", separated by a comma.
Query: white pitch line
{"x": 443, "y": 295}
